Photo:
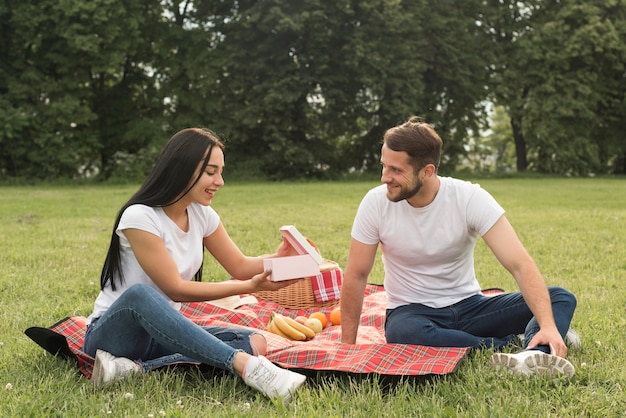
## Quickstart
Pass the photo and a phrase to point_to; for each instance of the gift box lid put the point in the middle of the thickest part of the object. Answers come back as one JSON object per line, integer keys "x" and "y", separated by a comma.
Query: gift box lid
{"x": 300, "y": 243}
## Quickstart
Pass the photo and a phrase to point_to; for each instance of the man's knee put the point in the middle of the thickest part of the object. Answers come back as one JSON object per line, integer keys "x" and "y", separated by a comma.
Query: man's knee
{"x": 562, "y": 297}
{"x": 559, "y": 294}
{"x": 415, "y": 331}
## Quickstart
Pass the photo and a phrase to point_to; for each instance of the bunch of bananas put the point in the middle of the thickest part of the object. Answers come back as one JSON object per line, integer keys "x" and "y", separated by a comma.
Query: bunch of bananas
{"x": 289, "y": 328}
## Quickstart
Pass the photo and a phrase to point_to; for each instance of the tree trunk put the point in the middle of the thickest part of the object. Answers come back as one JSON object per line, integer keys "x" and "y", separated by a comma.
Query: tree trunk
{"x": 620, "y": 165}
{"x": 520, "y": 144}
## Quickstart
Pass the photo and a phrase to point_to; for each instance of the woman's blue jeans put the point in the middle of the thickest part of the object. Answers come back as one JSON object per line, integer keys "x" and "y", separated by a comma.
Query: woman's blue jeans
{"x": 141, "y": 325}
{"x": 478, "y": 321}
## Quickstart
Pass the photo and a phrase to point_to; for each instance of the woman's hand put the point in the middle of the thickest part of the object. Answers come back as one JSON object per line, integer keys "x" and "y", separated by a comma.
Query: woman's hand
{"x": 262, "y": 282}
{"x": 285, "y": 249}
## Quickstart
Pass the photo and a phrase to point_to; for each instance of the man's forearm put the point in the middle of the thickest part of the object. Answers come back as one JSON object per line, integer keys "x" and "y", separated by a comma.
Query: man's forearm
{"x": 351, "y": 306}
{"x": 535, "y": 293}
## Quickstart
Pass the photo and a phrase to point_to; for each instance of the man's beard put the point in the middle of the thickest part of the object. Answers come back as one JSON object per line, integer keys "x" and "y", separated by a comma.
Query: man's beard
{"x": 407, "y": 193}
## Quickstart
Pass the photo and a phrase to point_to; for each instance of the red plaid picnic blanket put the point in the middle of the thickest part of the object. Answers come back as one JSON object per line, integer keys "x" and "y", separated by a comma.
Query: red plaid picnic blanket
{"x": 327, "y": 285}
{"x": 371, "y": 353}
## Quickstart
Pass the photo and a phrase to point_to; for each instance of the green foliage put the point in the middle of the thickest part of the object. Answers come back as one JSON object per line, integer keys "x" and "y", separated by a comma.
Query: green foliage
{"x": 75, "y": 86}
{"x": 55, "y": 238}
{"x": 576, "y": 44}
{"x": 305, "y": 89}
{"x": 560, "y": 76}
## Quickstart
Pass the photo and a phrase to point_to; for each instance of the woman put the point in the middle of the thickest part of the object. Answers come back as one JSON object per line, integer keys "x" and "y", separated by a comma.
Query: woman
{"x": 156, "y": 249}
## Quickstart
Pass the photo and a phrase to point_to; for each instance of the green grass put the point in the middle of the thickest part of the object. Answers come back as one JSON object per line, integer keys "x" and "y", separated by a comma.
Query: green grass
{"x": 53, "y": 241}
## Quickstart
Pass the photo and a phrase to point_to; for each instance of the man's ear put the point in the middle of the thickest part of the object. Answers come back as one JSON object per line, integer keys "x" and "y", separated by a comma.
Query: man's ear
{"x": 429, "y": 170}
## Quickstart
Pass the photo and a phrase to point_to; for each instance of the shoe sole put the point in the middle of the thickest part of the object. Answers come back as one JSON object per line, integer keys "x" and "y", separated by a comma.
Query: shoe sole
{"x": 538, "y": 363}
{"x": 97, "y": 372}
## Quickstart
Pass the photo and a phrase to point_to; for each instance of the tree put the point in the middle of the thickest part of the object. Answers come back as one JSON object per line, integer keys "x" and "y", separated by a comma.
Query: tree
{"x": 76, "y": 85}
{"x": 507, "y": 22}
{"x": 493, "y": 150}
{"x": 561, "y": 78}
{"x": 458, "y": 55}
{"x": 41, "y": 115}
{"x": 308, "y": 88}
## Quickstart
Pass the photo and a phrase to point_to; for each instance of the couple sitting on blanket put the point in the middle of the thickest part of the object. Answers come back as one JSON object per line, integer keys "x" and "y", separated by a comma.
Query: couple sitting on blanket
{"x": 426, "y": 225}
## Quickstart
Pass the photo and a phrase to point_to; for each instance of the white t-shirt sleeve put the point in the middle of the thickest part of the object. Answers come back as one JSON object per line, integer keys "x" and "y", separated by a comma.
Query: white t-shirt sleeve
{"x": 365, "y": 227}
{"x": 483, "y": 211}
{"x": 140, "y": 217}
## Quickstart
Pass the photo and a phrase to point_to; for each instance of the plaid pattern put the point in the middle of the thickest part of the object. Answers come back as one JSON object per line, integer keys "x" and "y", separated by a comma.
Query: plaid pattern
{"x": 327, "y": 285}
{"x": 73, "y": 329}
{"x": 371, "y": 354}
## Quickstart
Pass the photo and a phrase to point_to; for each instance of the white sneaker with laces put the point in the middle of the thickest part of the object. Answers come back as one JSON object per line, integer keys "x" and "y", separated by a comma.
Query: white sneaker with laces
{"x": 273, "y": 381}
{"x": 108, "y": 368}
{"x": 530, "y": 362}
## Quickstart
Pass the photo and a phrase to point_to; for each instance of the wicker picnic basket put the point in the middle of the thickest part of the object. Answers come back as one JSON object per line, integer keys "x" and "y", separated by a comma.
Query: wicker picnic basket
{"x": 299, "y": 295}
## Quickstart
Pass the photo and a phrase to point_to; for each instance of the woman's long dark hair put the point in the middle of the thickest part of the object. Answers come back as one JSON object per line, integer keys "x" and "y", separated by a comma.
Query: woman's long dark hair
{"x": 167, "y": 183}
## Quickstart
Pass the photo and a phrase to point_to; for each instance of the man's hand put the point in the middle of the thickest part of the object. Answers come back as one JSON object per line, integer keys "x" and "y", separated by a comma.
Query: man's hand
{"x": 550, "y": 338}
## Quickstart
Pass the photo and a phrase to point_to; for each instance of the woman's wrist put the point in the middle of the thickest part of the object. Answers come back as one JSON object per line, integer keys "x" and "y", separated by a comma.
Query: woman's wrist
{"x": 264, "y": 256}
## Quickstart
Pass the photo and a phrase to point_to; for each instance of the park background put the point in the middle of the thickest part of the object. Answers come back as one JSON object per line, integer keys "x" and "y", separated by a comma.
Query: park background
{"x": 528, "y": 96}
{"x": 305, "y": 88}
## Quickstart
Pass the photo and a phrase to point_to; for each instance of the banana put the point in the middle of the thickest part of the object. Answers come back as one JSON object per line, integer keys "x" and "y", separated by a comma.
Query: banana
{"x": 271, "y": 327}
{"x": 288, "y": 330}
{"x": 308, "y": 332}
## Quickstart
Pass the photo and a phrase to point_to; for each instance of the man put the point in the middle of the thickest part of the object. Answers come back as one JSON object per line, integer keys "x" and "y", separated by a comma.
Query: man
{"x": 427, "y": 227}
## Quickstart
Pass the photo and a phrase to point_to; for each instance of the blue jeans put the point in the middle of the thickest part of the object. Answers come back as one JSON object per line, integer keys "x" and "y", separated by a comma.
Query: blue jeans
{"x": 141, "y": 325}
{"x": 478, "y": 321}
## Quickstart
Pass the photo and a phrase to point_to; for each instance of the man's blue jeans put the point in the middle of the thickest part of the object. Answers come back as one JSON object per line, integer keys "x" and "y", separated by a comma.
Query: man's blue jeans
{"x": 142, "y": 326}
{"x": 478, "y": 321}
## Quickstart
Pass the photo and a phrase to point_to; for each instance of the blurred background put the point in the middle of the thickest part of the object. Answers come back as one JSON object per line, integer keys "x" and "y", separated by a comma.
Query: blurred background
{"x": 92, "y": 89}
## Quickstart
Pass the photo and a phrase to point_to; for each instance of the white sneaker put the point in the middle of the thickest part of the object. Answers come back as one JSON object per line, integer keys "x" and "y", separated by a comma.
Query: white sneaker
{"x": 533, "y": 362}
{"x": 273, "y": 381}
{"x": 108, "y": 368}
{"x": 572, "y": 339}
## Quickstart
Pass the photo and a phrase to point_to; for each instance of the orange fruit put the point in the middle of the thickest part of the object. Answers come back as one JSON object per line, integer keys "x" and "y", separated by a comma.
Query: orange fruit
{"x": 321, "y": 317}
{"x": 335, "y": 316}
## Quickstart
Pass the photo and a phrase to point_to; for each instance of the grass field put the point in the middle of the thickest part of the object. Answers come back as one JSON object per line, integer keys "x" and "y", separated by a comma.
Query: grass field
{"x": 53, "y": 241}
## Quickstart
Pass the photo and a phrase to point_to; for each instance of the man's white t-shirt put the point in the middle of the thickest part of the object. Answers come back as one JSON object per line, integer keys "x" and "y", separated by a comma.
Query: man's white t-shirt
{"x": 428, "y": 252}
{"x": 186, "y": 248}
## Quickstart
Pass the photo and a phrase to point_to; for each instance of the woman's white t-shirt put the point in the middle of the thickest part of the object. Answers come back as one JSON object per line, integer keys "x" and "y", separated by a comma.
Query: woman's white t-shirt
{"x": 186, "y": 248}
{"x": 428, "y": 252}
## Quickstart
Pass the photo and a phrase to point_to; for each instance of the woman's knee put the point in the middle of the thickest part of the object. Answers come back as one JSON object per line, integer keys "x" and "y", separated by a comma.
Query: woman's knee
{"x": 137, "y": 290}
{"x": 258, "y": 344}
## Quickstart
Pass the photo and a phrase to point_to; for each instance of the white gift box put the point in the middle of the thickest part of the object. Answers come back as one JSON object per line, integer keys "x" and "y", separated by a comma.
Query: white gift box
{"x": 306, "y": 264}
{"x": 293, "y": 267}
